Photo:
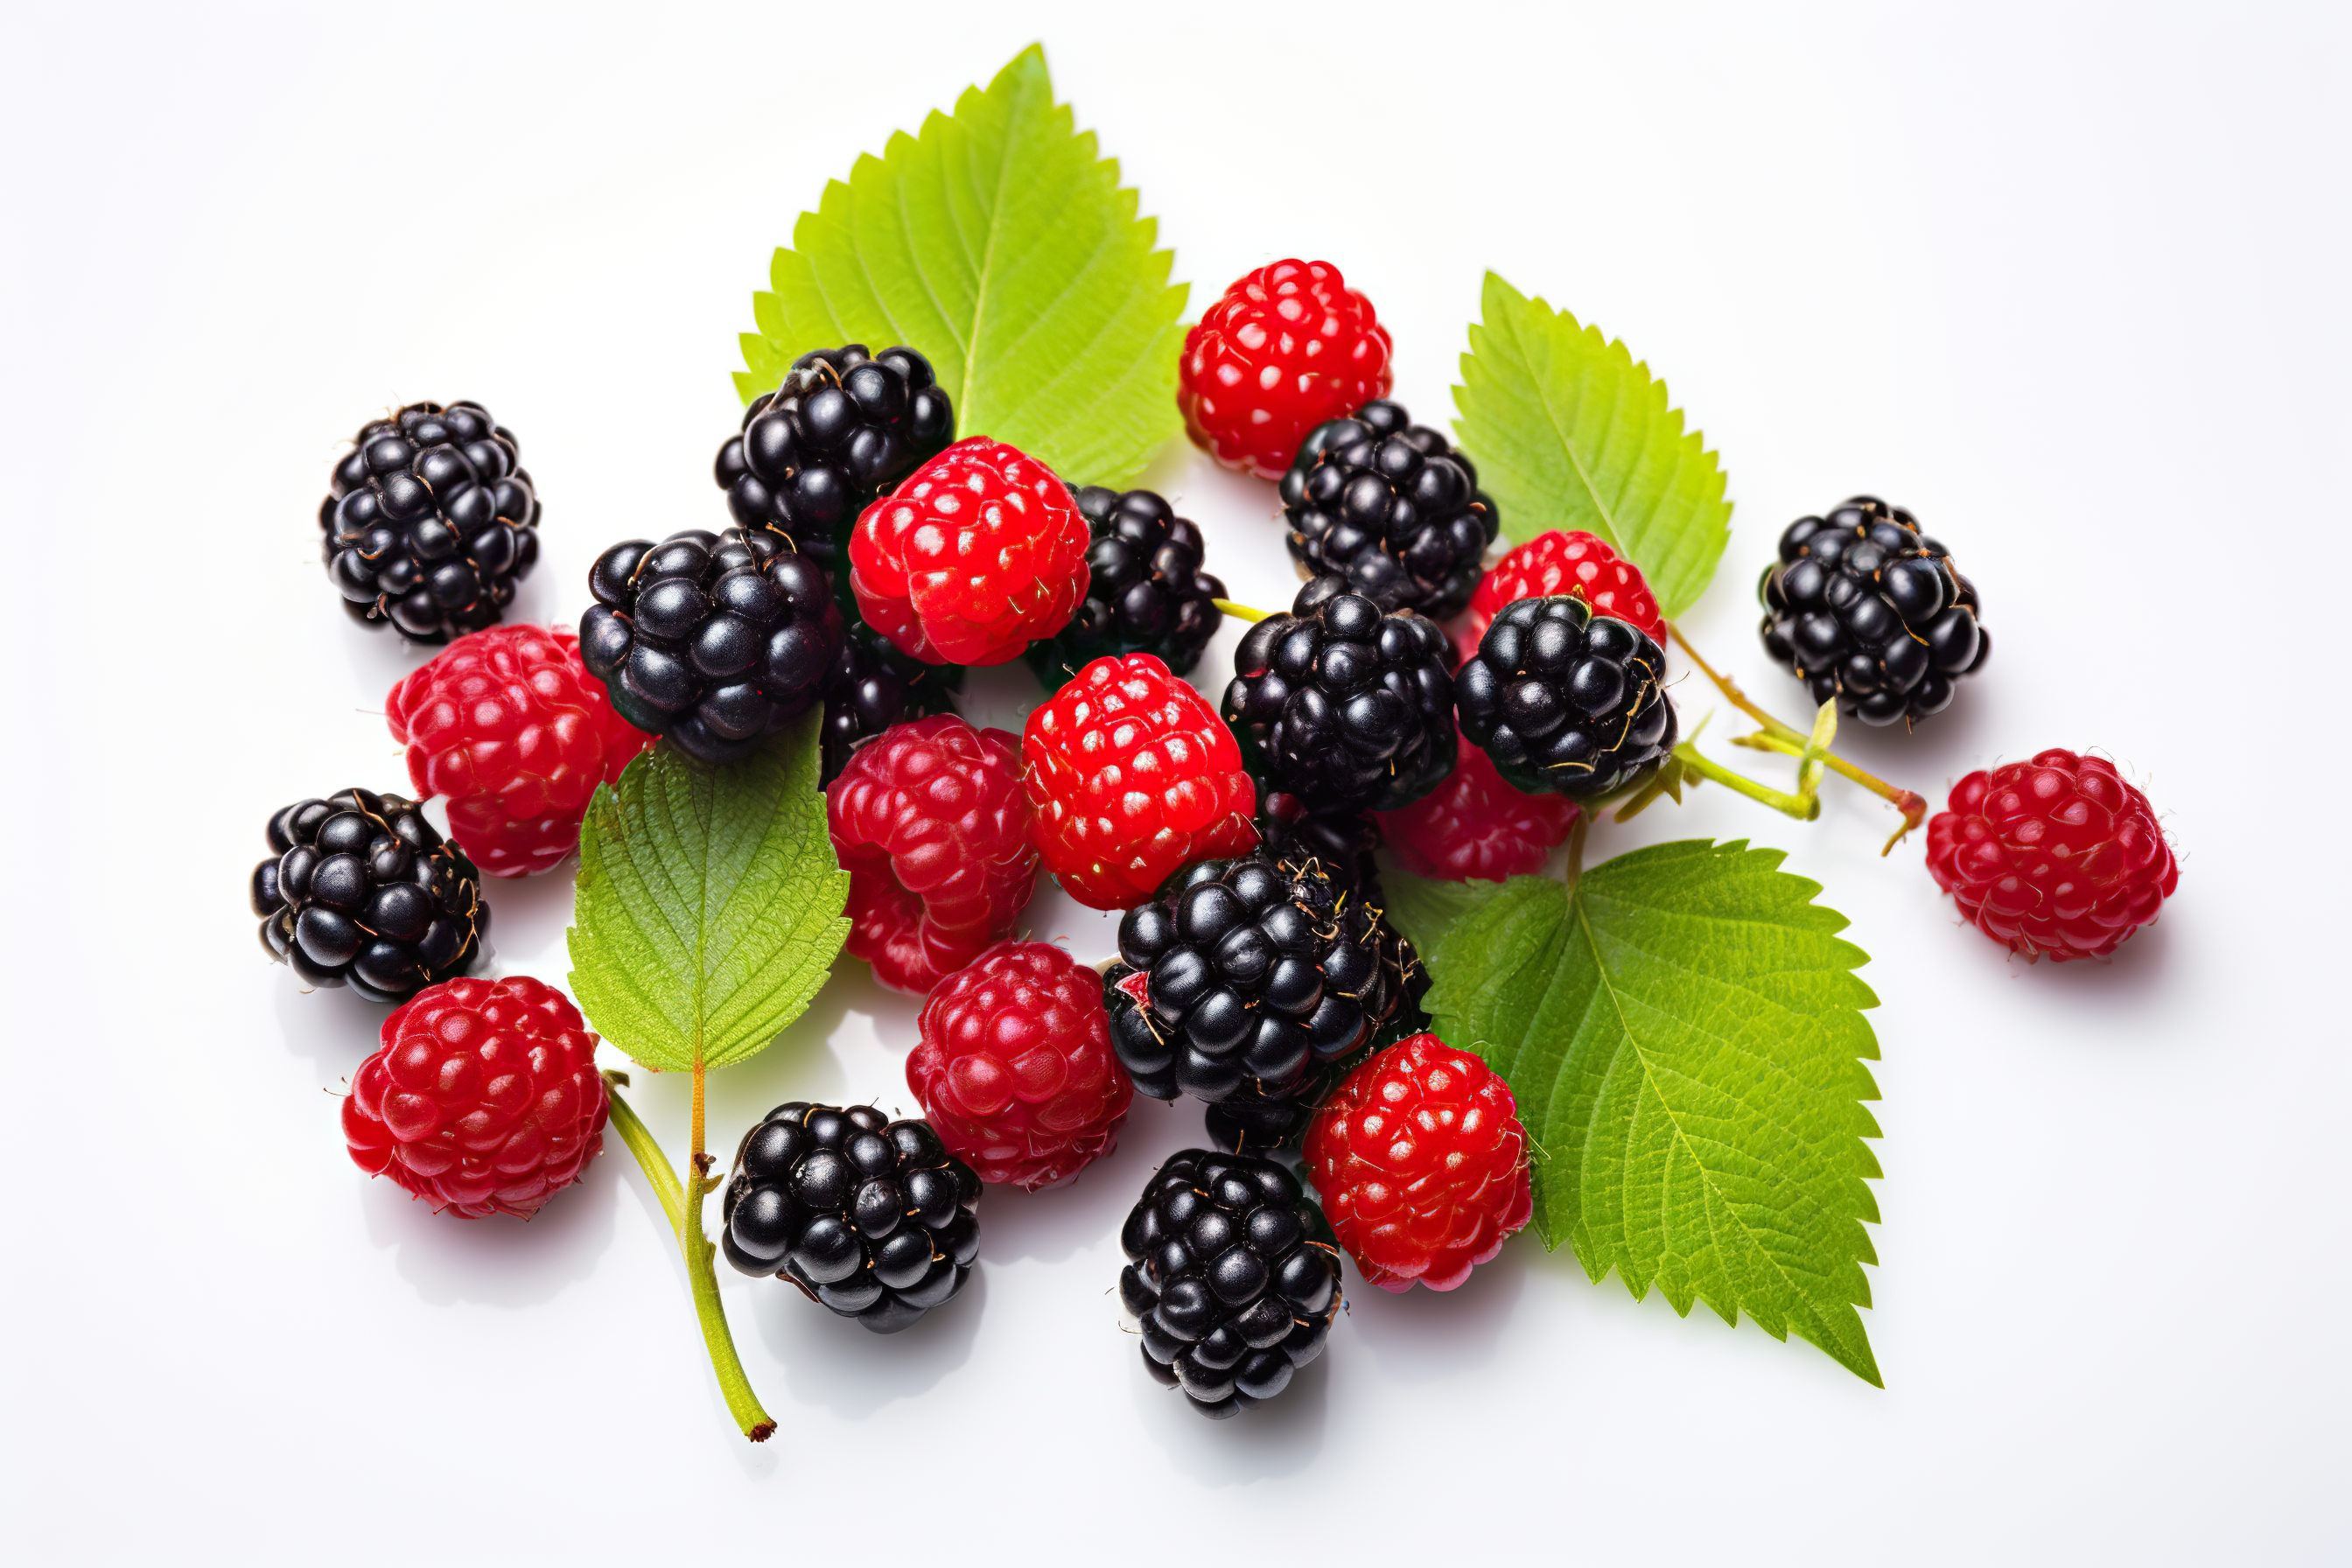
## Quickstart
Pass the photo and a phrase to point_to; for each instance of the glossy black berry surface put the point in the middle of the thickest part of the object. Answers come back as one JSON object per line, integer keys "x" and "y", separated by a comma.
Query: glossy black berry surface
{"x": 872, "y": 686}
{"x": 1245, "y": 977}
{"x": 1229, "y": 1279}
{"x": 1341, "y": 705}
{"x": 1863, "y": 607}
{"x": 1566, "y": 701}
{"x": 872, "y": 1218}
{"x": 714, "y": 640}
{"x": 1145, "y": 590}
{"x": 1393, "y": 508}
{"x": 361, "y": 891}
{"x": 843, "y": 427}
{"x": 430, "y": 522}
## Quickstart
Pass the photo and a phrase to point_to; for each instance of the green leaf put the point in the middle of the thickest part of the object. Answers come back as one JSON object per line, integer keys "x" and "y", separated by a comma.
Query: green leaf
{"x": 1569, "y": 433}
{"x": 708, "y": 905}
{"x": 1684, "y": 1037}
{"x": 1424, "y": 909}
{"x": 999, "y": 244}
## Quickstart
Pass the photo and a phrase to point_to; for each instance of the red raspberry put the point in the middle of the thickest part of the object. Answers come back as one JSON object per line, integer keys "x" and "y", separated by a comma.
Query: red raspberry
{"x": 1475, "y": 824}
{"x": 2057, "y": 856}
{"x": 1287, "y": 347}
{"x": 1423, "y": 1164}
{"x": 974, "y": 555}
{"x": 930, "y": 823}
{"x": 484, "y": 1098}
{"x": 1133, "y": 775}
{"x": 1579, "y": 564}
{"x": 510, "y": 728}
{"x": 1014, "y": 1068}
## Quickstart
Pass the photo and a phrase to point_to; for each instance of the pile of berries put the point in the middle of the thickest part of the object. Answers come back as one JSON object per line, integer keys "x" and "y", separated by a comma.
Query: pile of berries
{"x": 872, "y": 557}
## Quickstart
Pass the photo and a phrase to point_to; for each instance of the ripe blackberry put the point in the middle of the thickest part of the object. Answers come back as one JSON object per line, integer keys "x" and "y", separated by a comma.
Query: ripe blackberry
{"x": 361, "y": 891}
{"x": 1284, "y": 349}
{"x": 1145, "y": 592}
{"x": 844, "y": 427}
{"x": 1863, "y": 607}
{"x": 1344, "y": 842}
{"x": 873, "y": 686}
{"x": 714, "y": 640}
{"x": 430, "y": 522}
{"x": 872, "y": 1218}
{"x": 484, "y": 1098}
{"x": 1341, "y": 705}
{"x": 1246, "y": 975}
{"x": 1390, "y": 507}
{"x": 1566, "y": 700}
{"x": 1577, "y": 563}
{"x": 1228, "y": 1278}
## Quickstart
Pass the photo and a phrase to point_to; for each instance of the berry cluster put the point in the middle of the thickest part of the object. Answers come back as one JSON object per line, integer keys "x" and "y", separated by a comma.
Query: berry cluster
{"x": 1388, "y": 505}
{"x": 430, "y": 522}
{"x": 1145, "y": 590}
{"x": 1285, "y": 349}
{"x": 360, "y": 891}
{"x": 1567, "y": 702}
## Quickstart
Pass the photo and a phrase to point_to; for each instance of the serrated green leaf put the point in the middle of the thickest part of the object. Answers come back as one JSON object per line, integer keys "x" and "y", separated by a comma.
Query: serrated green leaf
{"x": 1426, "y": 908}
{"x": 1568, "y": 432}
{"x": 1001, "y": 246}
{"x": 1684, "y": 1037}
{"x": 710, "y": 902}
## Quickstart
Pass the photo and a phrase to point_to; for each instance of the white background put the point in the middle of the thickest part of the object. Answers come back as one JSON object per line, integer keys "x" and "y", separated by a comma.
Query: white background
{"x": 2068, "y": 282}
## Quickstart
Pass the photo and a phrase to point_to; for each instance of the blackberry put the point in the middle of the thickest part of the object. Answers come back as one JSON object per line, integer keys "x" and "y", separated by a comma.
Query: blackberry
{"x": 1390, "y": 507}
{"x": 1230, "y": 1276}
{"x": 871, "y": 1218}
{"x": 714, "y": 640}
{"x": 430, "y": 522}
{"x": 872, "y": 686}
{"x": 1341, "y": 705}
{"x": 1245, "y": 976}
{"x": 1863, "y": 607}
{"x": 1342, "y": 841}
{"x": 844, "y": 426}
{"x": 1145, "y": 590}
{"x": 360, "y": 891}
{"x": 1566, "y": 701}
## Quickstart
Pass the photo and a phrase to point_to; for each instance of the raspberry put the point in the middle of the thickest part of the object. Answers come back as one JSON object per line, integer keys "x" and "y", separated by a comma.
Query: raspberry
{"x": 1476, "y": 826}
{"x": 1014, "y": 1066}
{"x": 2057, "y": 858}
{"x": 1390, "y": 507}
{"x": 1227, "y": 1279}
{"x": 871, "y": 1218}
{"x": 715, "y": 640}
{"x": 1341, "y": 705}
{"x": 1579, "y": 565}
{"x": 844, "y": 426}
{"x": 1250, "y": 974}
{"x": 976, "y": 554}
{"x": 932, "y": 825}
{"x": 1863, "y": 607}
{"x": 1285, "y": 348}
{"x": 430, "y": 522}
{"x": 509, "y": 727}
{"x": 484, "y": 1098}
{"x": 1132, "y": 776}
{"x": 1146, "y": 591}
{"x": 1566, "y": 701}
{"x": 362, "y": 891}
{"x": 873, "y": 686}
{"x": 1421, "y": 1164}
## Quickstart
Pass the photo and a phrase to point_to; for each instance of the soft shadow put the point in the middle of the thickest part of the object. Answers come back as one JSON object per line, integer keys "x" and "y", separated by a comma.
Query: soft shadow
{"x": 529, "y": 914}
{"x": 830, "y": 1362}
{"x": 1280, "y": 1438}
{"x": 2140, "y": 979}
{"x": 1052, "y": 1225}
{"x": 500, "y": 1261}
{"x": 334, "y": 1027}
{"x": 1422, "y": 1335}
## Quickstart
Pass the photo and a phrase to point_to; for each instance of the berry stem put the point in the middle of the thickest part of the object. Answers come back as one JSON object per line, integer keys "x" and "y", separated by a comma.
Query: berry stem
{"x": 1789, "y": 740}
{"x": 683, "y": 1207}
{"x": 1804, "y": 808}
{"x": 1239, "y": 612}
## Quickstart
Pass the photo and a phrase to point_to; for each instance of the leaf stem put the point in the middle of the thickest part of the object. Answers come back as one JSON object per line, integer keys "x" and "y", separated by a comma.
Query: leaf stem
{"x": 1239, "y": 612}
{"x": 1804, "y": 808}
{"x": 1791, "y": 742}
{"x": 1576, "y": 831}
{"x": 683, "y": 1207}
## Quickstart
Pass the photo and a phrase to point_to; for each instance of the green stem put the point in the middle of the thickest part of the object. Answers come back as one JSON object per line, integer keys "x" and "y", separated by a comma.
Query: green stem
{"x": 1576, "y": 846}
{"x": 683, "y": 1207}
{"x": 1796, "y": 805}
{"x": 1239, "y": 612}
